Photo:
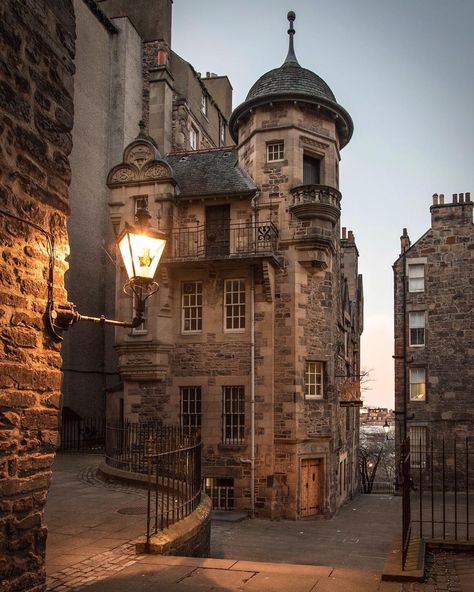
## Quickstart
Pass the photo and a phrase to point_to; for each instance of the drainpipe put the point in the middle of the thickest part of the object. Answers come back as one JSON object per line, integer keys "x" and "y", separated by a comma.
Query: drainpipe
{"x": 252, "y": 394}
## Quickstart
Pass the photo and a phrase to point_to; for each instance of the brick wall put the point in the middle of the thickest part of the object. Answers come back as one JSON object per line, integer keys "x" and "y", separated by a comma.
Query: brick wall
{"x": 36, "y": 116}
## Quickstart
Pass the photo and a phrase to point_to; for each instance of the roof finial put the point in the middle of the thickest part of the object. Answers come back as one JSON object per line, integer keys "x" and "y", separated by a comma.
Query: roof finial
{"x": 291, "y": 57}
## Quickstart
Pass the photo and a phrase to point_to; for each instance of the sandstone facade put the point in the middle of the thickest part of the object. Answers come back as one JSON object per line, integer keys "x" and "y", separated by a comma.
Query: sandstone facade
{"x": 37, "y": 41}
{"x": 434, "y": 326}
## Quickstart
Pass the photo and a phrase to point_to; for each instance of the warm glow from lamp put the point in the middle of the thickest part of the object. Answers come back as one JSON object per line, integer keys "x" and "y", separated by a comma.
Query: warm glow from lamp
{"x": 141, "y": 252}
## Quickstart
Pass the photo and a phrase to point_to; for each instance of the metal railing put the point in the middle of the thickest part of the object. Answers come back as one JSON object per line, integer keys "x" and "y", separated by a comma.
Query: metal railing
{"x": 438, "y": 489}
{"x": 82, "y": 434}
{"x": 170, "y": 456}
{"x": 229, "y": 240}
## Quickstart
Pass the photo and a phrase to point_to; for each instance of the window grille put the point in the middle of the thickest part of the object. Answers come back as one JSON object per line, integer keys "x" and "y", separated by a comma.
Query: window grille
{"x": 221, "y": 492}
{"x": 190, "y": 408}
{"x": 417, "y": 446}
{"x": 416, "y": 321}
{"x": 314, "y": 380}
{"x": 192, "y": 307}
{"x": 234, "y": 305}
{"x": 233, "y": 411}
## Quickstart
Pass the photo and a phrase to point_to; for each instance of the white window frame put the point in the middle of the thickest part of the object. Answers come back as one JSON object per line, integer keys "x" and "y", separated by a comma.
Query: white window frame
{"x": 193, "y": 137}
{"x": 221, "y": 130}
{"x": 417, "y": 321}
{"x": 314, "y": 379}
{"x": 418, "y": 446}
{"x": 416, "y": 280}
{"x": 417, "y": 376}
{"x": 275, "y": 151}
{"x": 191, "y": 306}
{"x": 235, "y": 308}
{"x": 204, "y": 104}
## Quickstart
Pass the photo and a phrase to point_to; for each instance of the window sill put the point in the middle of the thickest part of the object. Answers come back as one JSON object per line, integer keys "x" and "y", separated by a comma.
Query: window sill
{"x": 231, "y": 447}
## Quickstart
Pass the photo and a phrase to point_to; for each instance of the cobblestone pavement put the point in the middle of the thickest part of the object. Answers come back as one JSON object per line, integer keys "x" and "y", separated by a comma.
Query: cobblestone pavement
{"x": 450, "y": 572}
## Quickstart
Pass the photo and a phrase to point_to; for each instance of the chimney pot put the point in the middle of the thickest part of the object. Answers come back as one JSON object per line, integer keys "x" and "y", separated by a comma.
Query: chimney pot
{"x": 435, "y": 199}
{"x": 351, "y": 236}
{"x": 455, "y": 198}
{"x": 344, "y": 232}
{"x": 461, "y": 198}
{"x": 468, "y": 196}
{"x": 208, "y": 74}
{"x": 441, "y": 199}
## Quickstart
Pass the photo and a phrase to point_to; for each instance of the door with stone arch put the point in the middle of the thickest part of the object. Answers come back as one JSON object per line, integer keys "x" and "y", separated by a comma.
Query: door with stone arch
{"x": 311, "y": 489}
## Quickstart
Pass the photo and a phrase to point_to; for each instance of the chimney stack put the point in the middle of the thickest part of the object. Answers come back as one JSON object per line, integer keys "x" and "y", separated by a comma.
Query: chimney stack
{"x": 344, "y": 233}
{"x": 404, "y": 241}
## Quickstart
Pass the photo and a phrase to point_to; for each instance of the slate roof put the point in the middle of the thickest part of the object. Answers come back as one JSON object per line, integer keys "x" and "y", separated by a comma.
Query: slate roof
{"x": 210, "y": 172}
{"x": 291, "y": 79}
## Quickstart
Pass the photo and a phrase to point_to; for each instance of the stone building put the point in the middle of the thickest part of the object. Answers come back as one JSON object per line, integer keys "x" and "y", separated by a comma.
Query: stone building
{"x": 36, "y": 116}
{"x": 434, "y": 326}
{"x": 254, "y": 335}
{"x": 125, "y": 71}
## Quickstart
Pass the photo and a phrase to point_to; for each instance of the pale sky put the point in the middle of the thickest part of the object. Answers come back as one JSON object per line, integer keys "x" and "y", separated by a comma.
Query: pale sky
{"x": 404, "y": 71}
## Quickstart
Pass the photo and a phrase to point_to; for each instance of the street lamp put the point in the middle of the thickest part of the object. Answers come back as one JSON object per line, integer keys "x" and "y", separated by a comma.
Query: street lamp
{"x": 141, "y": 248}
{"x": 386, "y": 428}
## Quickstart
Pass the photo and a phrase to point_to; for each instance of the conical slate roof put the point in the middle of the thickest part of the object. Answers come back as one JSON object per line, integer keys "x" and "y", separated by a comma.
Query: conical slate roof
{"x": 291, "y": 81}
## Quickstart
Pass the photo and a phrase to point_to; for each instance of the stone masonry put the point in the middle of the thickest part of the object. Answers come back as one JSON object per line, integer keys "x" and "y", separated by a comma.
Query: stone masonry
{"x": 446, "y": 255}
{"x": 37, "y": 41}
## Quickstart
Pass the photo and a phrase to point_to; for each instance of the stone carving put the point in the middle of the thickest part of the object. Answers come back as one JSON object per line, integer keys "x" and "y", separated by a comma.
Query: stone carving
{"x": 122, "y": 175}
{"x": 156, "y": 171}
{"x": 139, "y": 155}
{"x": 313, "y": 143}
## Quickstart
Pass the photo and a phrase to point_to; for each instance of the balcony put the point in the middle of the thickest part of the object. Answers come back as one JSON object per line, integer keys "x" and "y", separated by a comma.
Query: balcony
{"x": 315, "y": 201}
{"x": 228, "y": 241}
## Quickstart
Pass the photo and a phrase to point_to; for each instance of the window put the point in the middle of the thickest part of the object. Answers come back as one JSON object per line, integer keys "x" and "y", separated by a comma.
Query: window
{"x": 233, "y": 414}
{"x": 275, "y": 151}
{"x": 192, "y": 307}
{"x": 221, "y": 131}
{"x": 311, "y": 170}
{"x": 204, "y": 104}
{"x": 313, "y": 380}
{"x": 143, "y": 328}
{"x": 416, "y": 322}
{"x": 221, "y": 492}
{"x": 190, "y": 407}
{"x": 417, "y": 436}
{"x": 417, "y": 384}
{"x": 140, "y": 203}
{"x": 234, "y": 305}
{"x": 416, "y": 277}
{"x": 193, "y": 138}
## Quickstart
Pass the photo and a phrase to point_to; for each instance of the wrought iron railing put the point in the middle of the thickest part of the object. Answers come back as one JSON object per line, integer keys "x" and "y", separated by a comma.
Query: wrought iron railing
{"x": 171, "y": 459}
{"x": 230, "y": 240}
{"x": 82, "y": 434}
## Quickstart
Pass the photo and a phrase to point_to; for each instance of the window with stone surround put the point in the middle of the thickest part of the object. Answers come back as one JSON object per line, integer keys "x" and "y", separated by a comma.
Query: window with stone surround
{"x": 233, "y": 414}
{"x": 190, "y": 397}
{"x": 275, "y": 151}
{"x": 221, "y": 130}
{"x": 191, "y": 307}
{"x": 417, "y": 384}
{"x": 311, "y": 170}
{"x": 234, "y": 305}
{"x": 193, "y": 138}
{"x": 313, "y": 380}
{"x": 416, "y": 323}
{"x": 416, "y": 277}
{"x": 221, "y": 492}
{"x": 204, "y": 104}
{"x": 417, "y": 436}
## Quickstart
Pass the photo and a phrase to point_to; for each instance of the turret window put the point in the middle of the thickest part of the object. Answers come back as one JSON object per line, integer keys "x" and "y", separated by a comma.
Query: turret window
{"x": 311, "y": 170}
{"x": 275, "y": 151}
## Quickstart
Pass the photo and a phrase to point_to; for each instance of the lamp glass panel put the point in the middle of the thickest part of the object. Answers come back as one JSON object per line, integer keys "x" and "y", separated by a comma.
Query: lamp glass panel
{"x": 141, "y": 254}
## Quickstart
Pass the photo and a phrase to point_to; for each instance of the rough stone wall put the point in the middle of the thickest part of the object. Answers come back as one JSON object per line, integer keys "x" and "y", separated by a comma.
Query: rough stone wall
{"x": 36, "y": 116}
{"x": 448, "y": 302}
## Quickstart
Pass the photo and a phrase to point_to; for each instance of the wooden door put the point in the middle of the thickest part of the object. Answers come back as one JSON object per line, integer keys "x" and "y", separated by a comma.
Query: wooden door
{"x": 217, "y": 231}
{"x": 311, "y": 490}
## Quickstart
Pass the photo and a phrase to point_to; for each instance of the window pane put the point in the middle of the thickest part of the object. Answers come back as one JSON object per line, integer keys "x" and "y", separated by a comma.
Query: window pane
{"x": 234, "y": 309}
{"x": 314, "y": 379}
{"x": 190, "y": 407}
{"x": 275, "y": 151}
{"x": 416, "y": 321}
{"x": 191, "y": 305}
{"x": 417, "y": 384}
{"x": 417, "y": 436}
{"x": 233, "y": 402}
{"x": 416, "y": 277}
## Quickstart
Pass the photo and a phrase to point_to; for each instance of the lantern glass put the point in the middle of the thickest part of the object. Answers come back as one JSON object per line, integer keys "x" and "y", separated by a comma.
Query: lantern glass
{"x": 141, "y": 252}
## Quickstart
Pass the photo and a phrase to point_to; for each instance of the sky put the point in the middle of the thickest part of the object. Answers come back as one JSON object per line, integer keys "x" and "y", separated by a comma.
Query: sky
{"x": 404, "y": 71}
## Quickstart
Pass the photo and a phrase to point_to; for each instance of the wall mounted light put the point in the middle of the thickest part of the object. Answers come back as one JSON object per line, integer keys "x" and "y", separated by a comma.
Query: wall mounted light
{"x": 141, "y": 248}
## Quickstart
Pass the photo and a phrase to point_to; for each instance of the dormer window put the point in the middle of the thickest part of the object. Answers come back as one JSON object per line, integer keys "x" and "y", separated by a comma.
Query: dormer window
{"x": 204, "y": 104}
{"x": 275, "y": 151}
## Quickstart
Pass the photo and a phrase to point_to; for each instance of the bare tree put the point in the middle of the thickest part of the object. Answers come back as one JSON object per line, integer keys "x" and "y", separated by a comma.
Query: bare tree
{"x": 376, "y": 459}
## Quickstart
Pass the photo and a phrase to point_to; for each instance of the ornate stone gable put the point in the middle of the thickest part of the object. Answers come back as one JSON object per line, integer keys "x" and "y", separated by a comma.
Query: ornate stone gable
{"x": 141, "y": 162}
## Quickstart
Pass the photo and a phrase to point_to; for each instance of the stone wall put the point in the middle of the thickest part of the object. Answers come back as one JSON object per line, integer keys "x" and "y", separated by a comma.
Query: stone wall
{"x": 36, "y": 117}
{"x": 447, "y": 250}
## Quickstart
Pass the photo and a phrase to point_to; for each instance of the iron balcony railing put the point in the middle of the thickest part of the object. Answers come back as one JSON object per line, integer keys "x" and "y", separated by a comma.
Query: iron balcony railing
{"x": 224, "y": 241}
